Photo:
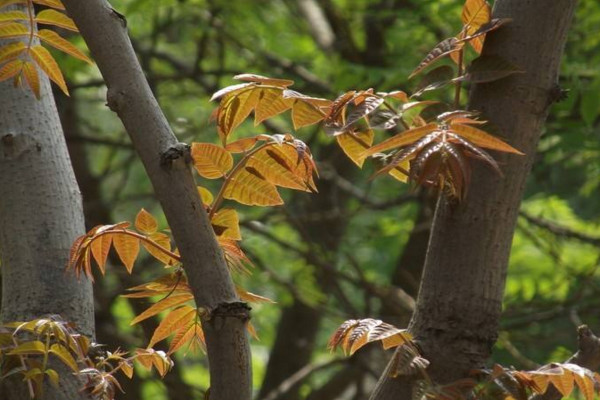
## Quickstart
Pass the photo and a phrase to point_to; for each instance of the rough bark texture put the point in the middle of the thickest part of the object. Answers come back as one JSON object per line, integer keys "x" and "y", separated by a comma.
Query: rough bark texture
{"x": 167, "y": 164}
{"x": 40, "y": 217}
{"x": 461, "y": 292}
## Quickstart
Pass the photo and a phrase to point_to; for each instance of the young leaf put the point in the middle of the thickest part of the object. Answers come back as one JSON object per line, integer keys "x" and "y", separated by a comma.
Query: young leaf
{"x": 251, "y": 297}
{"x": 211, "y": 161}
{"x": 249, "y": 187}
{"x": 191, "y": 335}
{"x": 174, "y": 321}
{"x": 434, "y": 79}
{"x": 482, "y": 138}
{"x": 234, "y": 256}
{"x": 13, "y": 16}
{"x": 145, "y": 222}
{"x": 401, "y": 139}
{"x": 11, "y": 51}
{"x": 444, "y": 48}
{"x": 55, "y": 40}
{"x": 226, "y": 224}
{"x": 264, "y": 80}
{"x": 65, "y": 356}
{"x": 163, "y": 241}
{"x": 271, "y": 103}
{"x": 475, "y": 13}
{"x": 32, "y": 78}
{"x": 13, "y": 30}
{"x": 354, "y": 145}
{"x": 47, "y": 63}
{"x": 171, "y": 301}
{"x": 304, "y": 114}
{"x": 51, "y": 3}
{"x": 53, "y": 17}
{"x": 10, "y": 69}
{"x": 100, "y": 248}
{"x": 206, "y": 196}
{"x": 242, "y": 145}
{"x": 354, "y": 334}
{"x": 127, "y": 248}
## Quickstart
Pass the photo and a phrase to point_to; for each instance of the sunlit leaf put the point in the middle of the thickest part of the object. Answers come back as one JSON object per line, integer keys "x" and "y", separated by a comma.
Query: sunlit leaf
{"x": 56, "y": 18}
{"x": 206, "y": 196}
{"x": 226, "y": 223}
{"x": 304, "y": 114}
{"x": 48, "y": 64}
{"x": 482, "y": 138}
{"x": 12, "y": 30}
{"x": 264, "y": 80}
{"x": 32, "y": 347}
{"x": 354, "y": 145}
{"x": 145, "y": 222}
{"x": 271, "y": 103}
{"x": 190, "y": 335}
{"x": 354, "y": 334}
{"x": 100, "y": 248}
{"x": 162, "y": 305}
{"x": 55, "y": 40}
{"x": 251, "y": 297}
{"x": 51, "y": 3}
{"x": 249, "y": 187}
{"x": 127, "y": 248}
{"x": 172, "y": 322}
{"x": 401, "y": 139}
{"x": 211, "y": 161}
{"x": 32, "y": 78}
{"x": 444, "y": 48}
{"x": 475, "y": 13}
{"x": 164, "y": 241}
{"x": 13, "y": 16}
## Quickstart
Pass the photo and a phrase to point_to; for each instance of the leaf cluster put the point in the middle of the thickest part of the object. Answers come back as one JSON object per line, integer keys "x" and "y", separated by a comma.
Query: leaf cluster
{"x": 21, "y": 58}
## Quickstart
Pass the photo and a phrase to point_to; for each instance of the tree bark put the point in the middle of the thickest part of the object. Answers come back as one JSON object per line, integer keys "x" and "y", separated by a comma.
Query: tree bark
{"x": 40, "y": 217}
{"x": 460, "y": 298}
{"x": 167, "y": 164}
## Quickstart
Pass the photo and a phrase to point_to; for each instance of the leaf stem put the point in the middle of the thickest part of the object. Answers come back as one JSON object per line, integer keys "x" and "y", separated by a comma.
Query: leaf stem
{"x": 458, "y": 75}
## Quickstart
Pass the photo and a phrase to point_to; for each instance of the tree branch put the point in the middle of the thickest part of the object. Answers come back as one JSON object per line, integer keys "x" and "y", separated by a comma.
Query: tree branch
{"x": 167, "y": 164}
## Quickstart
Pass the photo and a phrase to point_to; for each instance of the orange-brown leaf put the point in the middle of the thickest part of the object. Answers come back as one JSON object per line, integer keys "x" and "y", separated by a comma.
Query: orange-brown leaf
{"x": 162, "y": 305}
{"x": 206, "y": 195}
{"x": 127, "y": 248}
{"x": 10, "y": 69}
{"x": 100, "y": 246}
{"x": 444, "y": 48}
{"x": 264, "y": 80}
{"x": 235, "y": 108}
{"x": 55, "y": 40}
{"x": 191, "y": 335}
{"x": 249, "y": 187}
{"x": 32, "y": 78}
{"x": 56, "y": 18}
{"x": 402, "y": 139}
{"x": 475, "y": 13}
{"x": 172, "y": 322}
{"x": 11, "y": 51}
{"x": 354, "y": 145}
{"x": 270, "y": 104}
{"x": 12, "y": 30}
{"x": 211, "y": 161}
{"x": 482, "y": 138}
{"x": 51, "y": 3}
{"x": 48, "y": 64}
{"x": 354, "y": 334}
{"x": 304, "y": 114}
{"x": 242, "y": 145}
{"x": 226, "y": 224}
{"x": 164, "y": 241}
{"x": 145, "y": 222}
{"x": 251, "y": 297}
{"x": 234, "y": 256}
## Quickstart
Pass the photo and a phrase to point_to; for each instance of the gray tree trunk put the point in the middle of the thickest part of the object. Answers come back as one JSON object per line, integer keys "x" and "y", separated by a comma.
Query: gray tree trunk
{"x": 461, "y": 292}
{"x": 167, "y": 163}
{"x": 40, "y": 217}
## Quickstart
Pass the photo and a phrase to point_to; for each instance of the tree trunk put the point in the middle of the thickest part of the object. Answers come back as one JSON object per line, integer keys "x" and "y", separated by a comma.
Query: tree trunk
{"x": 167, "y": 163}
{"x": 461, "y": 292}
{"x": 40, "y": 217}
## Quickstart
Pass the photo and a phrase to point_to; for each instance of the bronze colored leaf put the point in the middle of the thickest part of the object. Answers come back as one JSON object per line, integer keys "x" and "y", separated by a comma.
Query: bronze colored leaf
{"x": 249, "y": 187}
{"x": 100, "y": 248}
{"x": 55, "y": 40}
{"x": 145, "y": 222}
{"x": 281, "y": 165}
{"x": 354, "y": 334}
{"x": 172, "y": 322}
{"x": 251, "y": 297}
{"x": 401, "y": 139}
{"x": 304, "y": 114}
{"x": 489, "y": 68}
{"x": 206, "y": 196}
{"x": 271, "y": 103}
{"x": 234, "y": 256}
{"x": 164, "y": 241}
{"x": 11, "y": 51}
{"x": 444, "y": 48}
{"x": 494, "y": 24}
{"x": 211, "y": 161}
{"x": 13, "y": 30}
{"x": 475, "y": 13}
{"x": 354, "y": 145}
{"x": 56, "y": 18}
{"x": 191, "y": 335}
{"x": 263, "y": 80}
{"x": 65, "y": 356}
{"x": 32, "y": 78}
{"x": 482, "y": 138}
{"x": 162, "y": 305}
{"x": 364, "y": 108}
{"x": 51, "y": 3}
{"x": 230, "y": 89}
{"x": 226, "y": 224}
{"x": 48, "y": 64}
{"x": 127, "y": 248}
{"x": 434, "y": 79}
{"x": 242, "y": 145}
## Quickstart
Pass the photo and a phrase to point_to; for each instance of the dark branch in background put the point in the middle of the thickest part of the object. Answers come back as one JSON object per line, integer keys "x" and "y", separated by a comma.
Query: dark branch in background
{"x": 560, "y": 230}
